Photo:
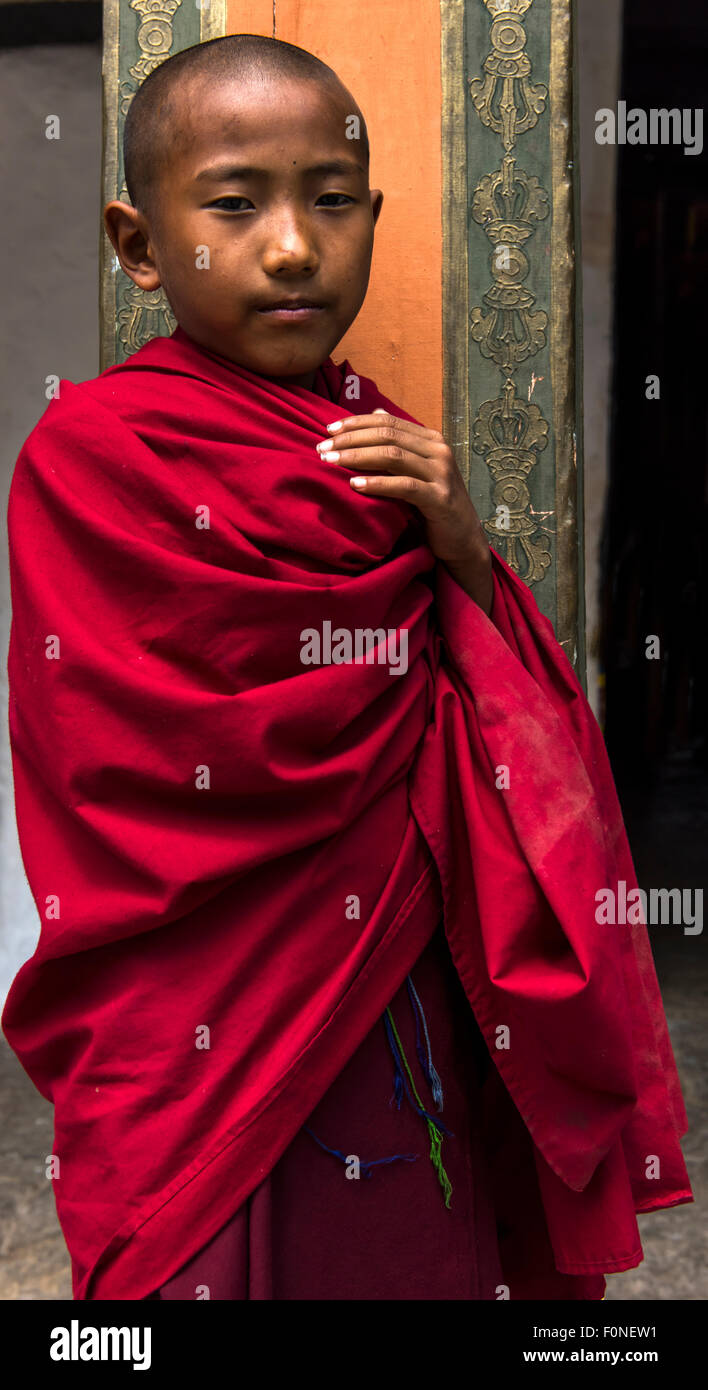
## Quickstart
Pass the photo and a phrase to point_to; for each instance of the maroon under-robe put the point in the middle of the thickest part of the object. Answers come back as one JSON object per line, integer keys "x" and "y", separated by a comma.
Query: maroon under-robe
{"x": 310, "y": 1232}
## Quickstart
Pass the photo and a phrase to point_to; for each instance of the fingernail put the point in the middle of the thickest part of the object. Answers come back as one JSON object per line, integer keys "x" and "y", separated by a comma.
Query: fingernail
{"x": 331, "y": 456}
{"x": 323, "y": 446}
{"x": 337, "y": 425}
{"x": 358, "y": 482}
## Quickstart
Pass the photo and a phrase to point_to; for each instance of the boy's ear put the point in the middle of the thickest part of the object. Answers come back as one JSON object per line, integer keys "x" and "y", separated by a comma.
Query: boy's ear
{"x": 376, "y": 200}
{"x": 129, "y": 236}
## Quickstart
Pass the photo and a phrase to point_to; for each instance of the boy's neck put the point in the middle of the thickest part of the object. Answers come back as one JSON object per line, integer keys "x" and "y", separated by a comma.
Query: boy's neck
{"x": 308, "y": 380}
{"x": 311, "y": 381}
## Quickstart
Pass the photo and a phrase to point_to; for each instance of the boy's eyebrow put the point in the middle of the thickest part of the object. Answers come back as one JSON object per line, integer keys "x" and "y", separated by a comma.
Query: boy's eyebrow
{"x": 223, "y": 172}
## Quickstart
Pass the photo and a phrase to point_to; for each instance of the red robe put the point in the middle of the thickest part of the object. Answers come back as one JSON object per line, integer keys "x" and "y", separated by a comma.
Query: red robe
{"x": 237, "y": 856}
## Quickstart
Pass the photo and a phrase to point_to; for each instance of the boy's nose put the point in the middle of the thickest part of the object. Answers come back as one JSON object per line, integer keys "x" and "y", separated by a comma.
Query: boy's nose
{"x": 290, "y": 246}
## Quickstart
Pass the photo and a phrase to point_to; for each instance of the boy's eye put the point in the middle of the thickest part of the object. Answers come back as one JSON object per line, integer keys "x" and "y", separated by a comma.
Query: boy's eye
{"x": 345, "y": 196}
{"x": 231, "y": 198}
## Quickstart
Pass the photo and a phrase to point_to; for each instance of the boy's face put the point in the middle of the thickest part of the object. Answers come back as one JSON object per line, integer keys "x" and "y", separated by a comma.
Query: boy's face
{"x": 246, "y": 217}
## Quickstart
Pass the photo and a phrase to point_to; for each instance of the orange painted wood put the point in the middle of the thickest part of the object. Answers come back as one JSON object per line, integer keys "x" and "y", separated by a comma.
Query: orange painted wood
{"x": 389, "y": 58}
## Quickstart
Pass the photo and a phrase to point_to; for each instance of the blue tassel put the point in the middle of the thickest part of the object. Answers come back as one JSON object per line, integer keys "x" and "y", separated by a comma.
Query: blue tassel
{"x": 398, "y": 1081}
{"x": 426, "y": 1063}
{"x": 399, "y": 1071}
{"x": 397, "y": 1090}
{"x": 364, "y": 1167}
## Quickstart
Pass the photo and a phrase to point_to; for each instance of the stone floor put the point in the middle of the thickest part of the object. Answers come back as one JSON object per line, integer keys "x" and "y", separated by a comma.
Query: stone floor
{"x": 674, "y": 1240}
{"x": 33, "y": 1259}
{"x": 668, "y": 830}
{"x": 668, "y": 839}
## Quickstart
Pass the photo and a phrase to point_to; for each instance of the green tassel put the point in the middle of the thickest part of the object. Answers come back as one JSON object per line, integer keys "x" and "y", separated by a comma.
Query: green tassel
{"x": 435, "y": 1142}
{"x": 436, "y": 1137}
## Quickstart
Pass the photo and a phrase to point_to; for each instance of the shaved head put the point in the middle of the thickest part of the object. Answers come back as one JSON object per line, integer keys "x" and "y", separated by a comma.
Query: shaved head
{"x": 155, "y": 121}
{"x": 247, "y": 168}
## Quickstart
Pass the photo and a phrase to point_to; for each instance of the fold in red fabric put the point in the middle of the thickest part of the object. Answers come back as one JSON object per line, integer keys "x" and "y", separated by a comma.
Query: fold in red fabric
{"x": 239, "y": 828}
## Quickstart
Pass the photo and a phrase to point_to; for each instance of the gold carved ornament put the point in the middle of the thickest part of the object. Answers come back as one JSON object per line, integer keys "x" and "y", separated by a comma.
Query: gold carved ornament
{"x": 146, "y": 314}
{"x": 509, "y": 203}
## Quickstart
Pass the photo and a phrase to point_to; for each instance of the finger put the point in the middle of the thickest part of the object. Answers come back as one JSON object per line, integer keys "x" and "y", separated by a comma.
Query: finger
{"x": 383, "y": 457}
{"x": 378, "y": 418}
{"x": 404, "y": 489}
{"x": 385, "y": 437}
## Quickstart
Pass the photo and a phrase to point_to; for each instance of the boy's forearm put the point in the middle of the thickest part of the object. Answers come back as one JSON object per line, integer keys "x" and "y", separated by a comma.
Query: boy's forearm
{"x": 473, "y": 573}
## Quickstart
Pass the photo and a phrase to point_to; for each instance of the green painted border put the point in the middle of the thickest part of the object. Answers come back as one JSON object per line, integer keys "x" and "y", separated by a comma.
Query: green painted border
{"x": 471, "y": 152}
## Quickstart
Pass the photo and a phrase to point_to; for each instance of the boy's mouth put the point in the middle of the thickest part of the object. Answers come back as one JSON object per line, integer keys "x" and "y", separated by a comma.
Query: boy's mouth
{"x": 295, "y": 308}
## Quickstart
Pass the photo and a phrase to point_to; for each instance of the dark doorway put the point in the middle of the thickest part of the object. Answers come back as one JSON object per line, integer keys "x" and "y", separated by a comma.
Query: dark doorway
{"x": 656, "y": 533}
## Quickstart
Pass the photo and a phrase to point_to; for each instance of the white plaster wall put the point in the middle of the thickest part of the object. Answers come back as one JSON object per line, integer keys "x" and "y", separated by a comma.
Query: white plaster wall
{"x": 49, "y": 240}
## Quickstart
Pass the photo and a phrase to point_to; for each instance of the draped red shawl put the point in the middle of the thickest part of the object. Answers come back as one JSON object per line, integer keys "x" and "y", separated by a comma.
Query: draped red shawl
{"x": 237, "y": 857}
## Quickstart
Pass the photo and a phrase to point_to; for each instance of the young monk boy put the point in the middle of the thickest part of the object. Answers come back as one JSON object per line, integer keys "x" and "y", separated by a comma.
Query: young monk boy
{"x": 312, "y": 806}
